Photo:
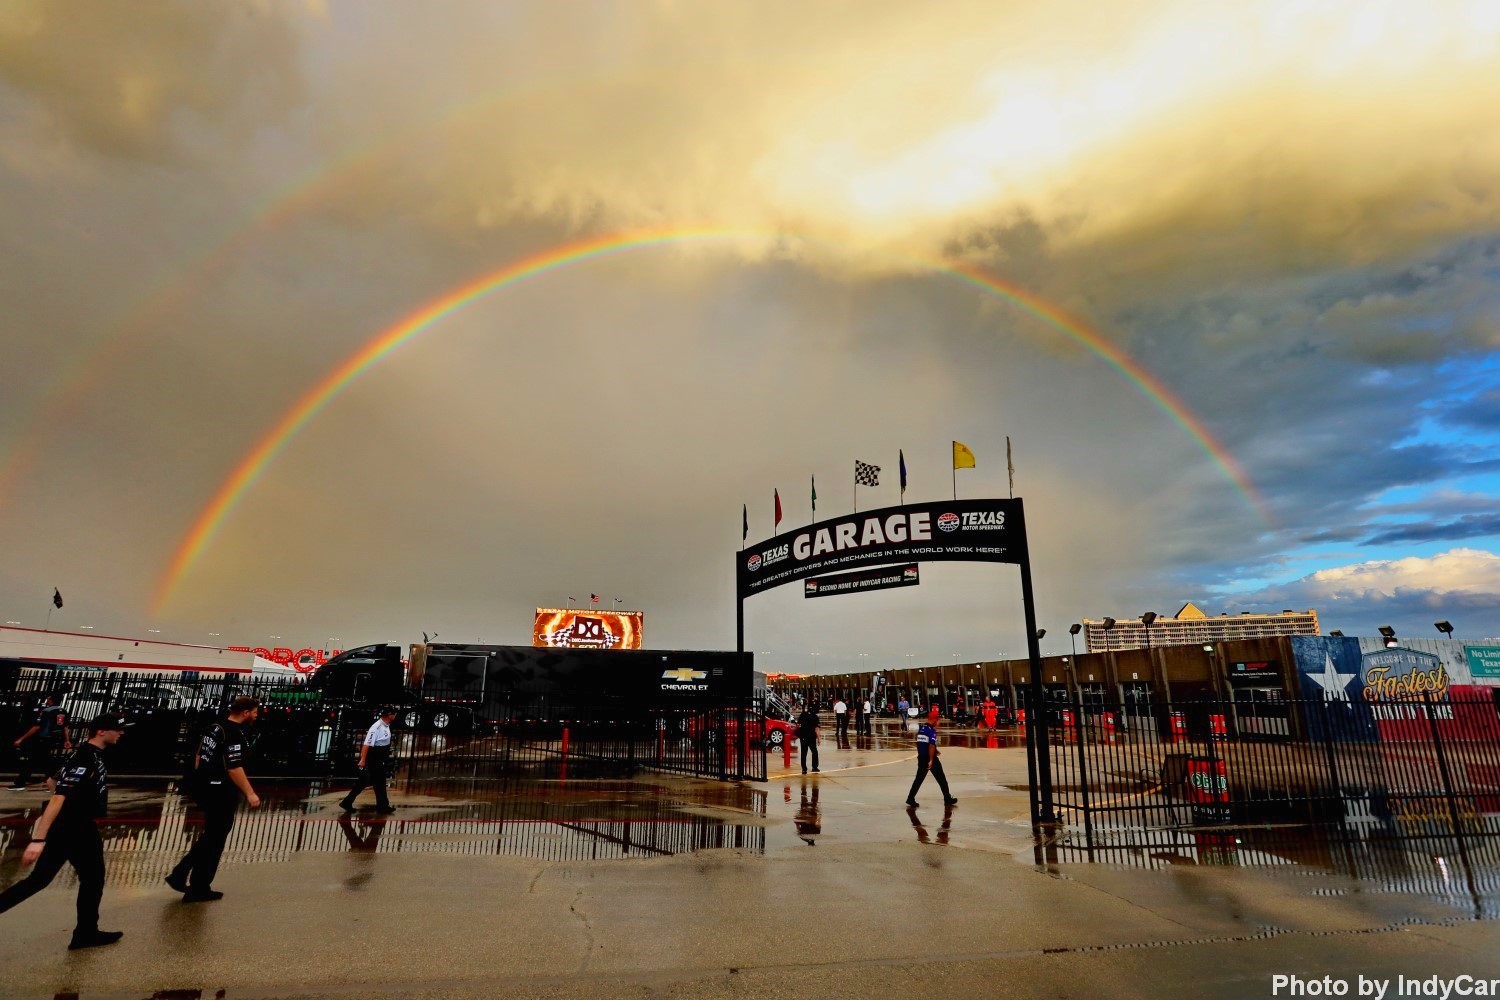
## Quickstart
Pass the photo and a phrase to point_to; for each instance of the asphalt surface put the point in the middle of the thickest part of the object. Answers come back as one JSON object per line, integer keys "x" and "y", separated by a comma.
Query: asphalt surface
{"x": 818, "y": 886}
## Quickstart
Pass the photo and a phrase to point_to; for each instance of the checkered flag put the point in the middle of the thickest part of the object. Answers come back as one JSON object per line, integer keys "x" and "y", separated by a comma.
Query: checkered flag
{"x": 866, "y": 475}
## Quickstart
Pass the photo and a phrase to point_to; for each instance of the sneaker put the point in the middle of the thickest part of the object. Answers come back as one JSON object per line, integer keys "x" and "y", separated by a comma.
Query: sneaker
{"x": 913, "y": 803}
{"x": 348, "y": 807}
{"x": 202, "y": 896}
{"x": 816, "y": 771}
{"x": 16, "y": 788}
{"x": 177, "y": 882}
{"x": 93, "y": 939}
{"x": 950, "y": 802}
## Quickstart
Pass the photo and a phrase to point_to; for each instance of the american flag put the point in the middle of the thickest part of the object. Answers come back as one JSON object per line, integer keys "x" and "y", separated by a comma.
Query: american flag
{"x": 865, "y": 474}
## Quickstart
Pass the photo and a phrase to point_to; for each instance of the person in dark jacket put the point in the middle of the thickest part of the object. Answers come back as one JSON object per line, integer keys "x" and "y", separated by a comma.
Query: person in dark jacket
{"x": 66, "y": 834}
{"x": 807, "y": 736}
{"x": 42, "y": 745}
{"x": 217, "y": 781}
{"x": 927, "y": 760}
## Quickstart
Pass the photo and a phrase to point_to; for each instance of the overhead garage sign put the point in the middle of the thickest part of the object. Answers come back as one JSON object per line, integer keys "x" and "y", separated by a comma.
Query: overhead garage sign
{"x": 941, "y": 531}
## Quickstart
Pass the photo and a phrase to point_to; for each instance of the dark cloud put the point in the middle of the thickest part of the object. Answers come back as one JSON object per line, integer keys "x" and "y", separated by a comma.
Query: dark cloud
{"x": 1481, "y": 411}
{"x": 1472, "y": 526}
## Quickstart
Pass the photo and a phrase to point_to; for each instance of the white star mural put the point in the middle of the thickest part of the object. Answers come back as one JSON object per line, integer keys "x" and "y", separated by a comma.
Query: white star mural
{"x": 1334, "y": 684}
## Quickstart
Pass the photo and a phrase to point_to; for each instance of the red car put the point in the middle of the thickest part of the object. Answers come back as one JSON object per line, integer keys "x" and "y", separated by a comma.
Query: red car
{"x": 774, "y": 732}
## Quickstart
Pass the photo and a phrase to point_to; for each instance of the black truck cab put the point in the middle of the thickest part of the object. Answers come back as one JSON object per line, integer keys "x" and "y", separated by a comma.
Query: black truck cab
{"x": 367, "y": 676}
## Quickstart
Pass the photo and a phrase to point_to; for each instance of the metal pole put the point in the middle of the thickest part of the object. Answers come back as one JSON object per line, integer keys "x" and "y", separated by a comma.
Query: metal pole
{"x": 739, "y": 621}
{"x": 1038, "y": 697}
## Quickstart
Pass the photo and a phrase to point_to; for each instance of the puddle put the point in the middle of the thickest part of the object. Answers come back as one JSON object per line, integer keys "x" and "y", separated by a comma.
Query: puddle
{"x": 149, "y": 829}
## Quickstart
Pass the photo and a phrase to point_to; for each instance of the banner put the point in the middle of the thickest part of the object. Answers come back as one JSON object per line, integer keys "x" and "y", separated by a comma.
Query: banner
{"x": 942, "y": 530}
{"x": 860, "y": 580}
{"x": 587, "y": 629}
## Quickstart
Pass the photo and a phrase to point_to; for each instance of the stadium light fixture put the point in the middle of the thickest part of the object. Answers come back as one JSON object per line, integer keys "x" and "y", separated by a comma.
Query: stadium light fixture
{"x": 1445, "y": 627}
{"x": 1389, "y": 634}
{"x": 1337, "y": 633}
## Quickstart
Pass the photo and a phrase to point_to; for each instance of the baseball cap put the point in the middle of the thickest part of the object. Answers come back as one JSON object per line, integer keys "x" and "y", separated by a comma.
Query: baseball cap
{"x": 107, "y": 721}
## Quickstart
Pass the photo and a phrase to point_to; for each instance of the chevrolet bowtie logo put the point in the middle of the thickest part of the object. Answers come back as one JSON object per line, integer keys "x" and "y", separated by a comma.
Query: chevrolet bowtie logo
{"x": 683, "y": 675}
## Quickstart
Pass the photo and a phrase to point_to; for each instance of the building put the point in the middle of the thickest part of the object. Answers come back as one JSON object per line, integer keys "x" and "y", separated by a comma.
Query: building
{"x": 1190, "y": 625}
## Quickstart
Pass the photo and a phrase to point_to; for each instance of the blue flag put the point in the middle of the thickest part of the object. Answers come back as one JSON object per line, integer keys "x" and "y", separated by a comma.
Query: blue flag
{"x": 903, "y": 474}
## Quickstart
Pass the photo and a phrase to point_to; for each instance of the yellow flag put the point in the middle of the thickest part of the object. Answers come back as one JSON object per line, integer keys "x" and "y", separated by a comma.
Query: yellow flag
{"x": 963, "y": 458}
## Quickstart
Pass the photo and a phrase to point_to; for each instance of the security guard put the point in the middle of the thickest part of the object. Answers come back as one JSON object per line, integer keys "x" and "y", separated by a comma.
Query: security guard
{"x": 927, "y": 760}
{"x": 66, "y": 833}
{"x": 38, "y": 746}
{"x": 217, "y": 781}
{"x": 807, "y": 736}
{"x": 373, "y": 756}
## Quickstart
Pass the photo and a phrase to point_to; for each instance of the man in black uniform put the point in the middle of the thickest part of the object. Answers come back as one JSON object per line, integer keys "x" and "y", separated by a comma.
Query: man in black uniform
{"x": 38, "y": 747}
{"x": 66, "y": 834}
{"x": 216, "y": 783}
{"x": 807, "y": 735}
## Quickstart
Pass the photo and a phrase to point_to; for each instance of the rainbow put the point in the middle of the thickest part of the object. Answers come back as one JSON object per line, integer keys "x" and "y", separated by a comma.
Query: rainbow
{"x": 258, "y": 458}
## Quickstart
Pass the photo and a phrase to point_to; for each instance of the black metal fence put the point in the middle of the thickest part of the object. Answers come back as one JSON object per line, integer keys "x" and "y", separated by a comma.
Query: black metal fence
{"x": 444, "y": 734}
{"x": 1429, "y": 767}
{"x": 548, "y": 738}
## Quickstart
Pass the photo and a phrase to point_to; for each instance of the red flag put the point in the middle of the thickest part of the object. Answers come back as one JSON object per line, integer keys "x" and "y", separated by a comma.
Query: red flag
{"x": 777, "y": 494}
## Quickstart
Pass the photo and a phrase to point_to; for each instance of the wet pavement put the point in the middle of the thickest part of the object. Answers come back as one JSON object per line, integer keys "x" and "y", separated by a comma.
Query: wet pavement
{"x": 822, "y": 884}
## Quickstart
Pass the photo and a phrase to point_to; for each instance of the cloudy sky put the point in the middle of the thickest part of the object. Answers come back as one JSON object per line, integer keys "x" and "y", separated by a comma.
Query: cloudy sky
{"x": 1282, "y": 219}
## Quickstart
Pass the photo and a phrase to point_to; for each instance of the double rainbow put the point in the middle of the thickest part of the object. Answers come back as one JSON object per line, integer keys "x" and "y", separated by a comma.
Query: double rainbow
{"x": 254, "y": 463}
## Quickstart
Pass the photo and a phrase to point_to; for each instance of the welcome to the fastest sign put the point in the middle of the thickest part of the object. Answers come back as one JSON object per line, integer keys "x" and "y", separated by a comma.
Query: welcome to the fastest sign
{"x": 944, "y": 530}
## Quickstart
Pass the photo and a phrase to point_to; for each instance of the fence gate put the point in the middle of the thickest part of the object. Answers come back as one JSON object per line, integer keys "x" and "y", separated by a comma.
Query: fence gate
{"x": 1123, "y": 772}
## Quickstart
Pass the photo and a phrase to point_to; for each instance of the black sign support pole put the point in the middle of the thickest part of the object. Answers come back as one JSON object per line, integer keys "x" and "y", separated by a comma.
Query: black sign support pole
{"x": 1037, "y": 700}
{"x": 739, "y": 621}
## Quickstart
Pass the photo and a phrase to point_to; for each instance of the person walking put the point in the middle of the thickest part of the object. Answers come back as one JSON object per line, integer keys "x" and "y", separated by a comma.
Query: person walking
{"x": 807, "y": 735}
{"x": 927, "y": 760}
{"x": 840, "y": 721}
{"x": 37, "y": 749}
{"x": 374, "y": 754}
{"x": 217, "y": 781}
{"x": 861, "y": 716}
{"x": 901, "y": 707}
{"x": 66, "y": 833}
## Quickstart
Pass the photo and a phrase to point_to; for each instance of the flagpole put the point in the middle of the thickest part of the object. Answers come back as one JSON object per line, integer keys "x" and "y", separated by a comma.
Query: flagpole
{"x": 955, "y": 482}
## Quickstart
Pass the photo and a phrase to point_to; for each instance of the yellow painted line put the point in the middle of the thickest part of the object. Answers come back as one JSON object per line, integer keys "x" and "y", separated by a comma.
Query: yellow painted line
{"x": 837, "y": 770}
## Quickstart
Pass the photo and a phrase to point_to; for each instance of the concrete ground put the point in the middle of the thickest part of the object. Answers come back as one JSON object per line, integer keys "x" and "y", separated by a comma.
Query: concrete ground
{"x": 823, "y": 886}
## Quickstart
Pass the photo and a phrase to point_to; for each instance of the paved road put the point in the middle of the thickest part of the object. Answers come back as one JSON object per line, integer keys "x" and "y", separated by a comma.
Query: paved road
{"x": 825, "y": 887}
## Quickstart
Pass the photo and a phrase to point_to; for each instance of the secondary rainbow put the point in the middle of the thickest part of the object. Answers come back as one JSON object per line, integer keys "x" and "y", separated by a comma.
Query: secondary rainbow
{"x": 255, "y": 462}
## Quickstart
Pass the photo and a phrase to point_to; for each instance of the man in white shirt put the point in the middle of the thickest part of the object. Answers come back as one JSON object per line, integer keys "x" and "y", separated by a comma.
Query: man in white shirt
{"x": 373, "y": 755}
{"x": 869, "y": 711}
{"x": 841, "y": 721}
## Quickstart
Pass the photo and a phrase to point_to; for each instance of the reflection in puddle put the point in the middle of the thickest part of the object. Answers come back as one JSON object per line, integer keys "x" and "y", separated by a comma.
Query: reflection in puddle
{"x": 603, "y": 820}
{"x": 1464, "y": 873}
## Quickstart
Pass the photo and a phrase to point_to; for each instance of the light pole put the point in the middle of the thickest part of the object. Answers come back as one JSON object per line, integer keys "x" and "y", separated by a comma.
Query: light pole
{"x": 1146, "y": 619}
{"x": 1073, "y": 631}
{"x": 1445, "y": 627}
{"x": 1389, "y": 634}
{"x": 1109, "y": 624}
